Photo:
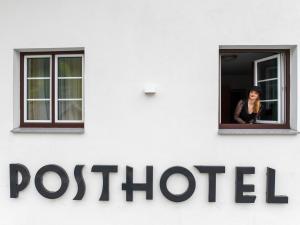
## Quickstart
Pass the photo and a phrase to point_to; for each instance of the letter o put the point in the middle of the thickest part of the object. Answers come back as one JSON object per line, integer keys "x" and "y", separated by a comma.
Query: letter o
{"x": 177, "y": 197}
{"x": 39, "y": 181}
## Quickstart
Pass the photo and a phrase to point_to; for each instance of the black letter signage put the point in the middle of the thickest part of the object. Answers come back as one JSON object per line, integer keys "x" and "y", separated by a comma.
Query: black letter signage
{"x": 240, "y": 187}
{"x": 271, "y": 198}
{"x": 15, "y": 187}
{"x": 19, "y": 177}
{"x": 212, "y": 172}
{"x": 177, "y": 197}
{"x": 105, "y": 170}
{"x": 129, "y": 186}
{"x": 80, "y": 182}
{"x": 40, "y": 186}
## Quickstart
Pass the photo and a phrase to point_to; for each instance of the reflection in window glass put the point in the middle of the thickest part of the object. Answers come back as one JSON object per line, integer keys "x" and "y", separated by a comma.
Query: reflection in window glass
{"x": 269, "y": 89}
{"x": 69, "y": 88}
{"x": 38, "y": 67}
{"x": 70, "y": 110}
{"x": 69, "y": 67}
{"x": 269, "y": 111}
{"x": 38, "y": 110}
{"x": 267, "y": 69}
{"x": 38, "y": 89}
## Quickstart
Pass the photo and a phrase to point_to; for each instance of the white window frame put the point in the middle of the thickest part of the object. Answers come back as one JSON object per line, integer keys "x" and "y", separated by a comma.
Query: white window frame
{"x": 72, "y": 99}
{"x": 280, "y": 87}
{"x": 26, "y": 78}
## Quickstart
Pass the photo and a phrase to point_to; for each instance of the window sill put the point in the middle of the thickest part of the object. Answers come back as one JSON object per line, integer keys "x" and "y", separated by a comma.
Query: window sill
{"x": 257, "y": 132}
{"x": 48, "y": 130}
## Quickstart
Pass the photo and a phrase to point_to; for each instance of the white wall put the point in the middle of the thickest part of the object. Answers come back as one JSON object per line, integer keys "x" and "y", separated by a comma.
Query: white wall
{"x": 129, "y": 43}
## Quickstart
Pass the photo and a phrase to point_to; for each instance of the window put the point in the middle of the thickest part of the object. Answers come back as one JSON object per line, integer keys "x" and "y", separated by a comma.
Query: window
{"x": 240, "y": 70}
{"x": 268, "y": 76}
{"x": 52, "y": 89}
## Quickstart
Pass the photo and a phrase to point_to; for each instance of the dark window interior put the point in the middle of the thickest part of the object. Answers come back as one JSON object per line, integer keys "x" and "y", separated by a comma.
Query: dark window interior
{"x": 237, "y": 76}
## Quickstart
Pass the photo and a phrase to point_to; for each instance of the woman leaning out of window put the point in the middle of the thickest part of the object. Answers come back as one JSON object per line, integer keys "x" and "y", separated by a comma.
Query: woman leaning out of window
{"x": 248, "y": 110}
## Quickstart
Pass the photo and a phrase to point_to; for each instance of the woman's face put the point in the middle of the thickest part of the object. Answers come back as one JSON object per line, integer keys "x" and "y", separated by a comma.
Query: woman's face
{"x": 253, "y": 95}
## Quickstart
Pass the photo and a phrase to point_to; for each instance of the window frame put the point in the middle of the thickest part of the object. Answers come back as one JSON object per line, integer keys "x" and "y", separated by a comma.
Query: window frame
{"x": 53, "y": 123}
{"x": 280, "y": 90}
{"x": 26, "y": 78}
{"x": 82, "y": 88}
{"x": 286, "y": 124}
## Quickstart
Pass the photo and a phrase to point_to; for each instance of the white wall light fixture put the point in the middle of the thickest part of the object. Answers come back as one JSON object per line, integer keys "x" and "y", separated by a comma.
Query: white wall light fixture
{"x": 150, "y": 89}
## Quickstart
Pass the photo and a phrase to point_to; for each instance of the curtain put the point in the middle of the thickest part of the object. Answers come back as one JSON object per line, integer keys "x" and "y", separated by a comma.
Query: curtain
{"x": 38, "y": 88}
{"x": 69, "y": 88}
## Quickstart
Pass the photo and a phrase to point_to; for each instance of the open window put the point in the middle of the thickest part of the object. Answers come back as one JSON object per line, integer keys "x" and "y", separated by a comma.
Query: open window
{"x": 269, "y": 75}
{"x": 240, "y": 69}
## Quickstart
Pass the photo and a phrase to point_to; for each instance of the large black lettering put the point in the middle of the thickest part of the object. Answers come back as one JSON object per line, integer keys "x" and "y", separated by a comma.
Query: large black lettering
{"x": 177, "y": 197}
{"x": 271, "y": 197}
{"x": 129, "y": 186}
{"x": 212, "y": 174}
{"x": 63, "y": 177}
{"x": 80, "y": 182}
{"x": 15, "y": 186}
{"x": 240, "y": 187}
{"x": 105, "y": 170}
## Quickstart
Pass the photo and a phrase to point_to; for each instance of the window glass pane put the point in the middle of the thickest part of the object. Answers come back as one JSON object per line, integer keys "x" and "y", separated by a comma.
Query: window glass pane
{"x": 69, "y": 110}
{"x": 69, "y": 66}
{"x": 38, "y": 110}
{"x": 37, "y": 89}
{"x": 267, "y": 69}
{"x": 69, "y": 88}
{"x": 38, "y": 67}
{"x": 269, "y": 89}
{"x": 269, "y": 111}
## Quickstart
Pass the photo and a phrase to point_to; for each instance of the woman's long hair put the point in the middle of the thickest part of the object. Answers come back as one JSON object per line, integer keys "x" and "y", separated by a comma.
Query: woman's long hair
{"x": 257, "y": 104}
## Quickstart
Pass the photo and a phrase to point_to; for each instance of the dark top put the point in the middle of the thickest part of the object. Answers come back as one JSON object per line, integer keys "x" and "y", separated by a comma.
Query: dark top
{"x": 242, "y": 115}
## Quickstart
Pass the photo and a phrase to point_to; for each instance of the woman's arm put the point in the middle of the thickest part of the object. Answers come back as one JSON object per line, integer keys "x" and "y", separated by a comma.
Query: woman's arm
{"x": 237, "y": 112}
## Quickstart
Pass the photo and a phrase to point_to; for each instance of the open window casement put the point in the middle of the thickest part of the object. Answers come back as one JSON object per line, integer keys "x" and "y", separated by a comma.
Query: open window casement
{"x": 269, "y": 69}
{"x": 269, "y": 76}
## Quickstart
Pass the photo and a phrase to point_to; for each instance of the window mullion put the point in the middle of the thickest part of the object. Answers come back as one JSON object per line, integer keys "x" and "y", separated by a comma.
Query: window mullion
{"x": 53, "y": 89}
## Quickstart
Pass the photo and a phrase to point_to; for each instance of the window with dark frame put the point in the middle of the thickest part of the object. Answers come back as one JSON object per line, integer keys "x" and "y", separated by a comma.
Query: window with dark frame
{"x": 269, "y": 69}
{"x": 51, "y": 92}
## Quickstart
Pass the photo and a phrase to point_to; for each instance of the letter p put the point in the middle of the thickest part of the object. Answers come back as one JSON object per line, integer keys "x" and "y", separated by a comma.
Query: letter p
{"x": 15, "y": 186}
